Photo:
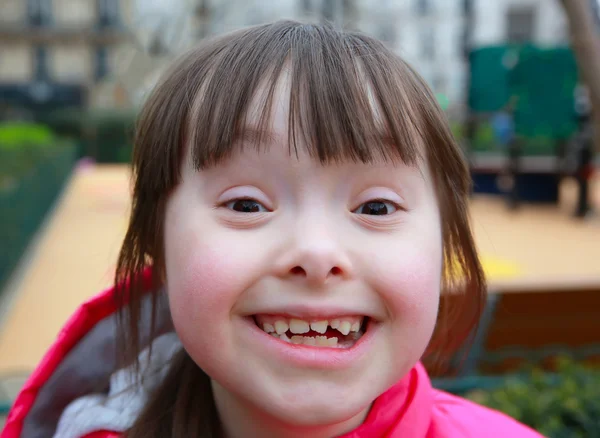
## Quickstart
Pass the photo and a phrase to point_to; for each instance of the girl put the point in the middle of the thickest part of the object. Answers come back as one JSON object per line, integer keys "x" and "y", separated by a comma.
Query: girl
{"x": 298, "y": 241}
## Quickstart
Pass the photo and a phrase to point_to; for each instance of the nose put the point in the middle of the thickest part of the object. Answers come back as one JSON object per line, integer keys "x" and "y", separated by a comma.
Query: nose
{"x": 315, "y": 256}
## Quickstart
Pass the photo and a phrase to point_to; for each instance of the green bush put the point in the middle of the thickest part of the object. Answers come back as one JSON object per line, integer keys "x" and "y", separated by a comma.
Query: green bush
{"x": 17, "y": 134}
{"x": 484, "y": 140}
{"x": 565, "y": 404}
{"x": 34, "y": 165}
{"x": 23, "y": 146}
{"x": 103, "y": 135}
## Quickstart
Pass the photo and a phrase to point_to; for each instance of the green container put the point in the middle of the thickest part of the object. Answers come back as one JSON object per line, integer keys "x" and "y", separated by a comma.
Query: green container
{"x": 541, "y": 83}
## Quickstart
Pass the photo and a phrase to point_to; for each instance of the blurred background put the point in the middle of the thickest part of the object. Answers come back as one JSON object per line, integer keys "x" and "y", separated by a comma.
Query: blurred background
{"x": 518, "y": 79}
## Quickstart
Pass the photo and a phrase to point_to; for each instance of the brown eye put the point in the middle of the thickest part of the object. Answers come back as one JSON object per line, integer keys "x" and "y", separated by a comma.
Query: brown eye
{"x": 246, "y": 206}
{"x": 376, "y": 208}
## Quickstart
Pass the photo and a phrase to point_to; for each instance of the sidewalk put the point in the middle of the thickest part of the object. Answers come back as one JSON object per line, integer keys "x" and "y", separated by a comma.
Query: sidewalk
{"x": 72, "y": 261}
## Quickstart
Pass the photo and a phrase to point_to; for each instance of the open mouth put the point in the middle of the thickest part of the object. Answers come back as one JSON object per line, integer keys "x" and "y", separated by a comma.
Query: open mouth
{"x": 342, "y": 332}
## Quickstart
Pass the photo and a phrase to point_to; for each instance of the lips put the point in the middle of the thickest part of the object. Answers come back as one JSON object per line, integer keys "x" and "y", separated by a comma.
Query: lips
{"x": 337, "y": 332}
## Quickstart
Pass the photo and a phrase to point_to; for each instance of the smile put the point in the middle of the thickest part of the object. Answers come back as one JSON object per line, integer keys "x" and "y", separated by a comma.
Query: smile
{"x": 341, "y": 332}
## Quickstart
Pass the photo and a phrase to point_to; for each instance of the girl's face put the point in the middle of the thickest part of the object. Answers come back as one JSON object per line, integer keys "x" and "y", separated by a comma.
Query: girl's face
{"x": 303, "y": 290}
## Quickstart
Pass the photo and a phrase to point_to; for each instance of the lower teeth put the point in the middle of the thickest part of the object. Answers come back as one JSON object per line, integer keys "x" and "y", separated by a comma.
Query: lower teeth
{"x": 320, "y": 341}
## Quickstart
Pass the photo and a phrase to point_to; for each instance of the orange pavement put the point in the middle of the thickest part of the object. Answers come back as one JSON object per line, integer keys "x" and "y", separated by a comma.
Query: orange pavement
{"x": 73, "y": 261}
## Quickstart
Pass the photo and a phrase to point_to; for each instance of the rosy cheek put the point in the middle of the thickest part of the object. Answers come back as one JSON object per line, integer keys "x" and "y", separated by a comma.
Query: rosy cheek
{"x": 409, "y": 283}
{"x": 201, "y": 281}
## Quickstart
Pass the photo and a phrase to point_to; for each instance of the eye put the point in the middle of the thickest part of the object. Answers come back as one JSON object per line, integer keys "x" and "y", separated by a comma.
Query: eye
{"x": 246, "y": 206}
{"x": 377, "y": 207}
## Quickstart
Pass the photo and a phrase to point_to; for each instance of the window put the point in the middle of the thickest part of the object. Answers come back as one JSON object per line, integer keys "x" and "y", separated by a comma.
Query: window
{"x": 101, "y": 63}
{"x": 423, "y": 7}
{"x": 427, "y": 43}
{"x": 306, "y": 7}
{"x": 439, "y": 83}
{"x": 40, "y": 12}
{"x": 328, "y": 10}
{"x": 41, "y": 63}
{"x": 387, "y": 33}
{"x": 108, "y": 12}
{"x": 520, "y": 23}
{"x": 595, "y": 5}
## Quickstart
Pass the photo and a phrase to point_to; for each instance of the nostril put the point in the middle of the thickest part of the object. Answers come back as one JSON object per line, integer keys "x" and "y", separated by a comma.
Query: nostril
{"x": 298, "y": 270}
{"x": 336, "y": 271}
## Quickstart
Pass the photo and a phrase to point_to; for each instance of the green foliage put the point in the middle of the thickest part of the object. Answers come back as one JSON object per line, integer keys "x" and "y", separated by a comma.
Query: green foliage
{"x": 484, "y": 140}
{"x": 565, "y": 404}
{"x": 23, "y": 146}
{"x": 106, "y": 136}
{"x": 34, "y": 164}
{"x": 18, "y": 134}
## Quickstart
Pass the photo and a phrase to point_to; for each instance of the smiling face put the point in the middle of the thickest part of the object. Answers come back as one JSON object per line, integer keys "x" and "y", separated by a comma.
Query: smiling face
{"x": 303, "y": 290}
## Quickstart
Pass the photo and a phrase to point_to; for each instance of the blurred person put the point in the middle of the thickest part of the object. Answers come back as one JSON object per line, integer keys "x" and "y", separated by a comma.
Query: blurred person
{"x": 583, "y": 145}
{"x": 299, "y": 218}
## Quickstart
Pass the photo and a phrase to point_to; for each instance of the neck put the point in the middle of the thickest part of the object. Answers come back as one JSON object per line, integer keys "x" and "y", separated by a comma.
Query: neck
{"x": 240, "y": 419}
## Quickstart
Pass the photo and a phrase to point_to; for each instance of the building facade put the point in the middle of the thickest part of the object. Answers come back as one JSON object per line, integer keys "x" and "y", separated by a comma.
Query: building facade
{"x": 53, "y": 51}
{"x": 54, "y": 48}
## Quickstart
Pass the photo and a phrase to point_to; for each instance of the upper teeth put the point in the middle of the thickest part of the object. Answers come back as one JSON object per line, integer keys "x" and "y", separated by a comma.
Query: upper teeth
{"x": 280, "y": 325}
{"x": 319, "y": 326}
{"x": 298, "y": 326}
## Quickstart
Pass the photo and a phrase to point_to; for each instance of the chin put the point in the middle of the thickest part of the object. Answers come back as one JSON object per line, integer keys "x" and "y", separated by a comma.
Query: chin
{"x": 306, "y": 415}
{"x": 299, "y": 406}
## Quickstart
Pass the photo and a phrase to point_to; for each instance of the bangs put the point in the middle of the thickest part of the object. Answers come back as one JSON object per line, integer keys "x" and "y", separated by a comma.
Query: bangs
{"x": 349, "y": 97}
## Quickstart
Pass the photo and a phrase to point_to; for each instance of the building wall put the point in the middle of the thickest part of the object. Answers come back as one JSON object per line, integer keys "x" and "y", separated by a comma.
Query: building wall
{"x": 12, "y": 11}
{"x": 71, "y": 63}
{"x": 427, "y": 33}
{"x": 65, "y": 53}
{"x": 491, "y": 21}
{"x": 74, "y": 12}
{"x": 16, "y": 62}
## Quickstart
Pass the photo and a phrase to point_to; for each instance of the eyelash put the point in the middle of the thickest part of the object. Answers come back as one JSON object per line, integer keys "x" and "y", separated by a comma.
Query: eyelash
{"x": 396, "y": 206}
{"x": 233, "y": 201}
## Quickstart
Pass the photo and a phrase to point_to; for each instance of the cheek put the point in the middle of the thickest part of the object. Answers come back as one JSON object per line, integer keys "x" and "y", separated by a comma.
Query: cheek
{"x": 207, "y": 271}
{"x": 409, "y": 282}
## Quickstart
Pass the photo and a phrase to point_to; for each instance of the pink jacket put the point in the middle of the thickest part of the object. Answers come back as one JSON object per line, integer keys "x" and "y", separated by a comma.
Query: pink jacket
{"x": 81, "y": 363}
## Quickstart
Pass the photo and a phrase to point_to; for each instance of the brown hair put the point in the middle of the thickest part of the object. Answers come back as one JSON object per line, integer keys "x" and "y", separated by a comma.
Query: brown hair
{"x": 200, "y": 106}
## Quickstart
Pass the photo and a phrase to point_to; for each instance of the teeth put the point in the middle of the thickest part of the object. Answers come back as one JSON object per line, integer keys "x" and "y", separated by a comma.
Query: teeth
{"x": 298, "y": 326}
{"x": 344, "y": 327}
{"x": 319, "y": 326}
{"x": 322, "y": 341}
{"x": 317, "y": 341}
{"x": 350, "y": 327}
{"x": 281, "y": 327}
{"x": 297, "y": 339}
{"x": 309, "y": 340}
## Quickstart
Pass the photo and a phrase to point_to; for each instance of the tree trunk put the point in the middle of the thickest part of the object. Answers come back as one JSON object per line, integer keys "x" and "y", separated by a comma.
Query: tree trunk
{"x": 586, "y": 46}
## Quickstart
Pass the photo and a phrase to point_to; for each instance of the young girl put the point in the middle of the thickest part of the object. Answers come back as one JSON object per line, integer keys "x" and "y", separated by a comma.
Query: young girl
{"x": 299, "y": 241}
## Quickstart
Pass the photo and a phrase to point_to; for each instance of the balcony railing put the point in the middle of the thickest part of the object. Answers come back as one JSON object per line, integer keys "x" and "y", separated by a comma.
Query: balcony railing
{"x": 92, "y": 34}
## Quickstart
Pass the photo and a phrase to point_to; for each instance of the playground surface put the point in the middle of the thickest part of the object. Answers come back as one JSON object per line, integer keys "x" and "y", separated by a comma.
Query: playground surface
{"x": 534, "y": 248}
